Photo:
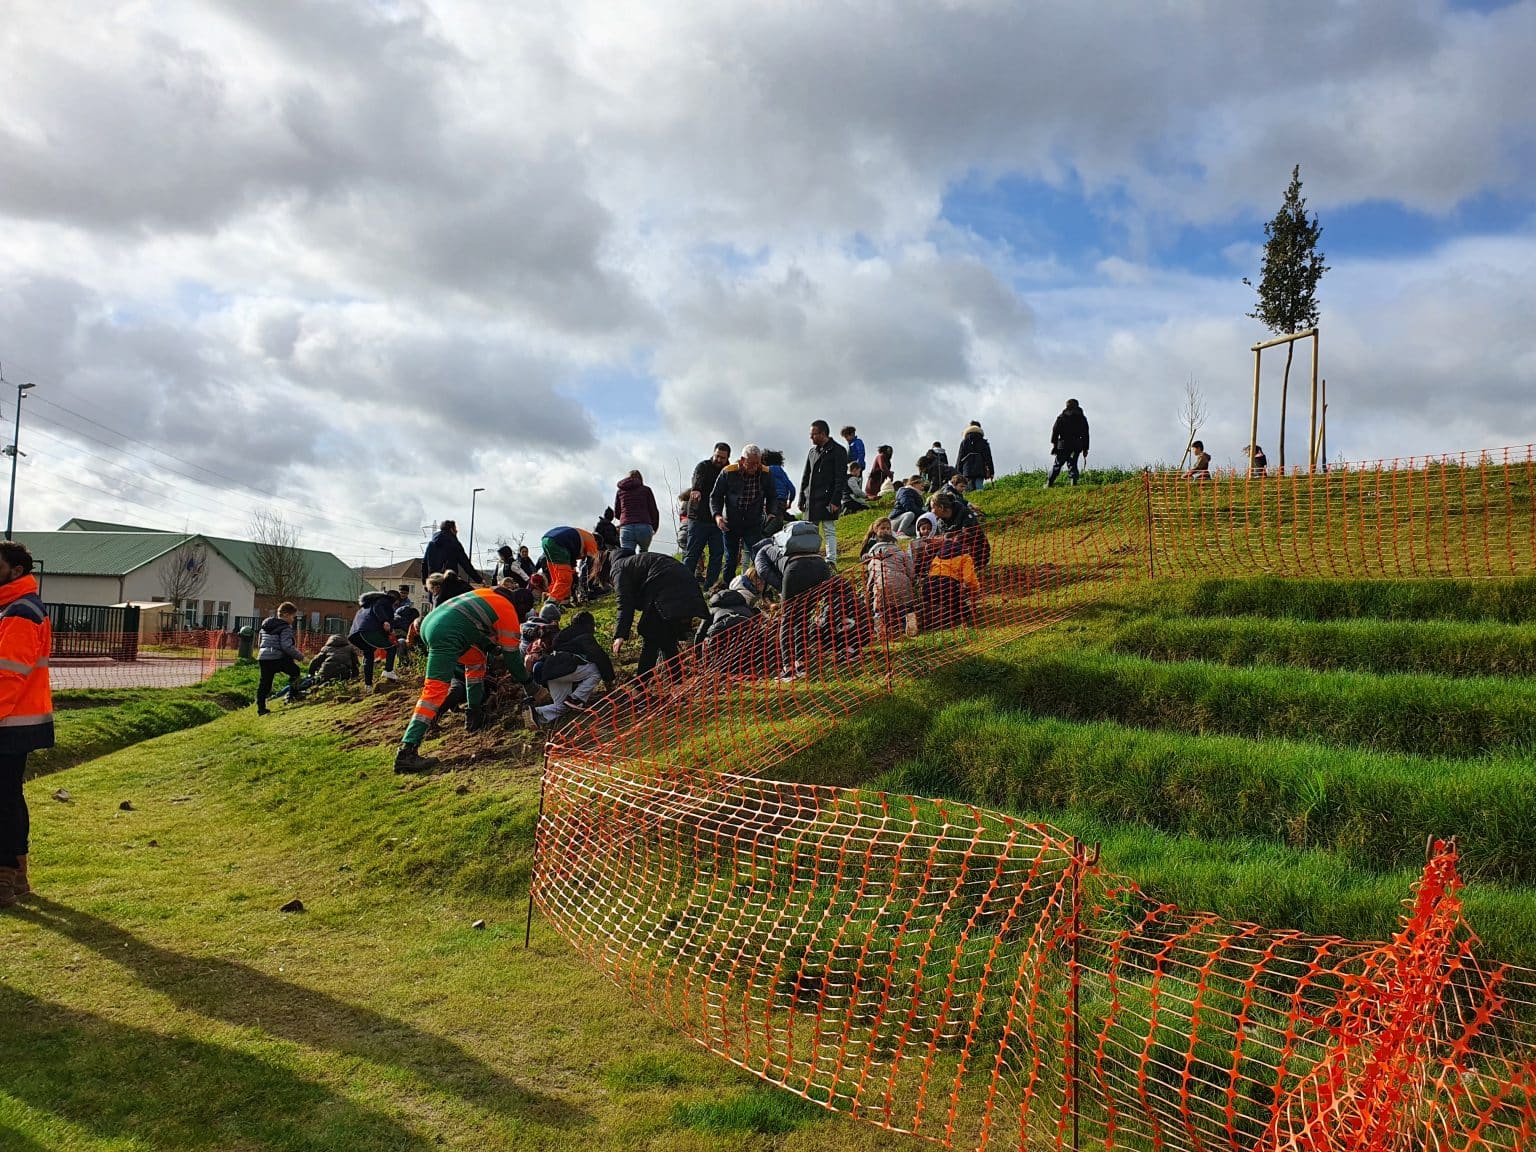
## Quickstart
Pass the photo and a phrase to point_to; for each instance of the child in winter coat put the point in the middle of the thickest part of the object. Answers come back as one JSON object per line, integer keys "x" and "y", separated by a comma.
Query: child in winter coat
{"x": 890, "y": 581}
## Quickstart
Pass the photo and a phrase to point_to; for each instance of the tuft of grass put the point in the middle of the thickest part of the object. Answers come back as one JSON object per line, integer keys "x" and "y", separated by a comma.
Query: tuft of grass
{"x": 1385, "y": 647}
{"x": 1504, "y": 601}
{"x": 766, "y": 1111}
{"x": 1424, "y": 715}
{"x": 647, "y": 1070}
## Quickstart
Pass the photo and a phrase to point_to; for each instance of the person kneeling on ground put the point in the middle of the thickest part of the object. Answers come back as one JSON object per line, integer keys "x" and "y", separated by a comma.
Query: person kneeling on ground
{"x": 468, "y": 630}
{"x": 572, "y": 670}
{"x": 908, "y": 506}
{"x": 337, "y": 662}
{"x": 890, "y": 581}
{"x": 724, "y": 640}
{"x": 279, "y": 652}
{"x": 951, "y": 586}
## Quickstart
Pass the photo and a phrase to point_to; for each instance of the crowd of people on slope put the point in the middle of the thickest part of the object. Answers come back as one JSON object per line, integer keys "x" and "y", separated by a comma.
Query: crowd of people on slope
{"x": 753, "y": 546}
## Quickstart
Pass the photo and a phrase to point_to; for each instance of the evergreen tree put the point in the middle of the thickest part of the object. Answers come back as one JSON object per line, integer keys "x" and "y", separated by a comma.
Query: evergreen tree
{"x": 1288, "y": 285}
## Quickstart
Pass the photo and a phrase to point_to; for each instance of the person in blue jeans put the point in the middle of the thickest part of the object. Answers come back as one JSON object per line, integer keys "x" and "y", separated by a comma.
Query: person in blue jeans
{"x": 639, "y": 518}
{"x": 703, "y": 532}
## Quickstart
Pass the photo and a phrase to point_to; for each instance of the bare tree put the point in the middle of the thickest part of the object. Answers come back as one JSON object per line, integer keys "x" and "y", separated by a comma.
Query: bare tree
{"x": 1192, "y": 415}
{"x": 183, "y": 571}
{"x": 282, "y": 569}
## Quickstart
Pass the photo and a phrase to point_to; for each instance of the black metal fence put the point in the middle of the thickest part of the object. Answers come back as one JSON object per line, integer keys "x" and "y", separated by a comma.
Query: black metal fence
{"x": 92, "y": 630}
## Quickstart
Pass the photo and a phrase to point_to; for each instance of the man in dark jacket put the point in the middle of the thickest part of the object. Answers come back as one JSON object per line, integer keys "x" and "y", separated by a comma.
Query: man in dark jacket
{"x": 743, "y": 499}
{"x": 667, "y": 597}
{"x": 823, "y": 483}
{"x": 446, "y": 554}
{"x": 1069, "y": 439}
{"x": 703, "y": 531}
{"x": 975, "y": 462}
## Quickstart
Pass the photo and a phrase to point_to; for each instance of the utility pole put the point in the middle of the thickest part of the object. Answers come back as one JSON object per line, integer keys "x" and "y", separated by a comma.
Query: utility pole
{"x": 13, "y": 450}
{"x": 470, "y": 551}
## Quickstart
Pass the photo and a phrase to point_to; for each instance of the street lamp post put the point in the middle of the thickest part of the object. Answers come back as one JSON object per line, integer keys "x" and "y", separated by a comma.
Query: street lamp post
{"x": 470, "y": 551}
{"x": 14, "y": 451}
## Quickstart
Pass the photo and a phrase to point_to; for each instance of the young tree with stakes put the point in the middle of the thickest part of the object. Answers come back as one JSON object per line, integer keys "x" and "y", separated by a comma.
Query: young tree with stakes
{"x": 1288, "y": 285}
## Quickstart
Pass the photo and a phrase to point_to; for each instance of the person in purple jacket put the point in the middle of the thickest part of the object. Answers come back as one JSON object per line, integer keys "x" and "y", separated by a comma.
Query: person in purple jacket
{"x": 639, "y": 518}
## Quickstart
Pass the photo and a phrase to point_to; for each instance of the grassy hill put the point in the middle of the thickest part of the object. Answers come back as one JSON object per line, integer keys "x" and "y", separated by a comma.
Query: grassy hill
{"x": 1274, "y": 751}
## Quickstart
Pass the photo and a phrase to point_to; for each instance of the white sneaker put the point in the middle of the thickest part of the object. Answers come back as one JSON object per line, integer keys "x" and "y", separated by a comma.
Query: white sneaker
{"x": 389, "y": 675}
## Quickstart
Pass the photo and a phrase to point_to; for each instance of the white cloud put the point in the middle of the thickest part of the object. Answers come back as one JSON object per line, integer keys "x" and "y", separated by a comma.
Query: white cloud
{"x": 364, "y": 257}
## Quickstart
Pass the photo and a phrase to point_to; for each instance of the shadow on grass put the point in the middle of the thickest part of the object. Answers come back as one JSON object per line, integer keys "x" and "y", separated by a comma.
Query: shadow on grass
{"x": 134, "y": 1085}
{"x": 243, "y": 996}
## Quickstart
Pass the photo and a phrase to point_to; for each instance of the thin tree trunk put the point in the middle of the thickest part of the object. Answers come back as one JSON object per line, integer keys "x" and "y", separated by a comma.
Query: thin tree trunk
{"x": 1285, "y": 384}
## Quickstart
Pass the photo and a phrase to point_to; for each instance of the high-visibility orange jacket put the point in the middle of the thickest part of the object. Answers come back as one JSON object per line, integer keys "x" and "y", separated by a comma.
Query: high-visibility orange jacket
{"x": 26, "y": 702}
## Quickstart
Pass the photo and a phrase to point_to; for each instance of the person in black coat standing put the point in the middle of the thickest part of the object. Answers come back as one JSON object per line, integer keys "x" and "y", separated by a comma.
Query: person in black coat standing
{"x": 975, "y": 459}
{"x": 1069, "y": 439}
{"x": 823, "y": 483}
{"x": 445, "y": 554}
{"x": 668, "y": 599}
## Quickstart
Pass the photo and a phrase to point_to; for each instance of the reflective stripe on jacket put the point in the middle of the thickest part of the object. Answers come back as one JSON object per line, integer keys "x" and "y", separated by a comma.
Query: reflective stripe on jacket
{"x": 491, "y": 611}
{"x": 26, "y": 702}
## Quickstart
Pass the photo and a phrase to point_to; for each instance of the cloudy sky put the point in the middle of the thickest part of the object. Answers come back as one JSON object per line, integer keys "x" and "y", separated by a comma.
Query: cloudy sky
{"x": 350, "y": 260}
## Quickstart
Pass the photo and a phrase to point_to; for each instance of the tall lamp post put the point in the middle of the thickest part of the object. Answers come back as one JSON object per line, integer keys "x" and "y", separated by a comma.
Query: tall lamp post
{"x": 14, "y": 451}
{"x": 472, "y": 497}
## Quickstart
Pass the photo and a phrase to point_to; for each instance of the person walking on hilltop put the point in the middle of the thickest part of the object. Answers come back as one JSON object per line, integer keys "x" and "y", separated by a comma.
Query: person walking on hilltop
{"x": 469, "y": 630}
{"x": 975, "y": 458}
{"x": 1069, "y": 440}
{"x": 667, "y": 597}
{"x": 639, "y": 518}
{"x": 703, "y": 531}
{"x": 823, "y": 483}
{"x": 26, "y": 708}
{"x": 744, "y": 499}
{"x": 444, "y": 553}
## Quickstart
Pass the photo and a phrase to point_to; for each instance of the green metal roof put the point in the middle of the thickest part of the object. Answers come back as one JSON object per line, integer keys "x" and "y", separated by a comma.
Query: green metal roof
{"x": 97, "y": 553}
{"x": 78, "y": 525}
{"x": 93, "y": 553}
{"x": 330, "y": 577}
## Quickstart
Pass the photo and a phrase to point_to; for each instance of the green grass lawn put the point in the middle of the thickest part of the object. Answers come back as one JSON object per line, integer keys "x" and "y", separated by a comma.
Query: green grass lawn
{"x": 1274, "y": 751}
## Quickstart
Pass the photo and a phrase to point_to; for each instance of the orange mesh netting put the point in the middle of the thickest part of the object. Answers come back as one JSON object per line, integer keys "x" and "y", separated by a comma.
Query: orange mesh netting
{"x": 935, "y": 968}
{"x": 111, "y": 660}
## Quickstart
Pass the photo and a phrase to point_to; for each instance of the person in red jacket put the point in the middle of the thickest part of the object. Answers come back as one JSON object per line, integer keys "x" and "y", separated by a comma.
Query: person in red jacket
{"x": 26, "y": 708}
{"x": 639, "y": 518}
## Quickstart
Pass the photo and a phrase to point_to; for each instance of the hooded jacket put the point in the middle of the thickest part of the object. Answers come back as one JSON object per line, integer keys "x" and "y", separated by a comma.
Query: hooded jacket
{"x": 375, "y": 614}
{"x": 337, "y": 661}
{"x": 1070, "y": 432}
{"x": 890, "y": 575}
{"x": 975, "y": 455}
{"x": 908, "y": 499}
{"x": 579, "y": 637}
{"x": 824, "y": 481}
{"x": 654, "y": 581}
{"x": 728, "y": 608}
{"x": 636, "y": 504}
{"x": 26, "y": 700}
{"x": 446, "y": 554}
{"x": 278, "y": 640}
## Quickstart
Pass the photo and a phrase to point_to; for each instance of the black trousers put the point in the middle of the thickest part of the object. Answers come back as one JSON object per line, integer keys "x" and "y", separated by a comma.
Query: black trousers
{"x": 269, "y": 671}
{"x": 660, "y": 636}
{"x": 15, "y": 823}
{"x": 368, "y": 644}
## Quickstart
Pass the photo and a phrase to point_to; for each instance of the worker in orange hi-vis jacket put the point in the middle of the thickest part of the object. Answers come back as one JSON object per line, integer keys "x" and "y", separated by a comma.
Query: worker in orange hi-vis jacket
{"x": 563, "y": 549}
{"x": 466, "y": 632}
{"x": 26, "y": 708}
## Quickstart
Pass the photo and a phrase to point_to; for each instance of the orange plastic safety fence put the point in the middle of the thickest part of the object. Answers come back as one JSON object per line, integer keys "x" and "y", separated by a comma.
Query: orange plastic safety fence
{"x": 88, "y": 660}
{"x": 939, "y": 969}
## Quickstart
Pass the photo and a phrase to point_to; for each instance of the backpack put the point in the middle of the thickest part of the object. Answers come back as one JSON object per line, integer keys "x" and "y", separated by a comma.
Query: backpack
{"x": 800, "y": 539}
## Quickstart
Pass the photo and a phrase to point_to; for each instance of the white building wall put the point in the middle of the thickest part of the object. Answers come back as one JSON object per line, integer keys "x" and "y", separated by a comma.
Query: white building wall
{"x": 100, "y": 590}
{"x": 224, "y": 584}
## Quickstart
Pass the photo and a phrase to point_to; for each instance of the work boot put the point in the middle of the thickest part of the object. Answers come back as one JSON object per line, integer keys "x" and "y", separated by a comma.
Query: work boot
{"x": 20, "y": 884}
{"x": 410, "y": 759}
{"x": 7, "y": 887}
{"x": 474, "y": 720}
